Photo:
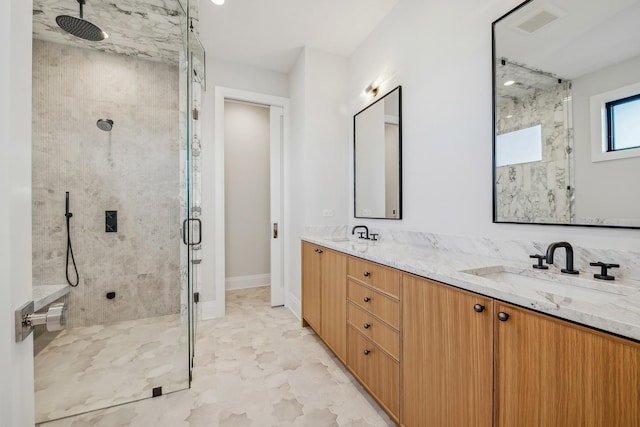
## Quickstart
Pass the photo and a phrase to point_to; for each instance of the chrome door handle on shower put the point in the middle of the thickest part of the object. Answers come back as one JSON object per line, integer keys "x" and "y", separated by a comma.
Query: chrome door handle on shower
{"x": 185, "y": 223}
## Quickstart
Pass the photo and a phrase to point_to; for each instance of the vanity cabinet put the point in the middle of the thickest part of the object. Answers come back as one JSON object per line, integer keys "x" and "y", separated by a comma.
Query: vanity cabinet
{"x": 435, "y": 355}
{"x": 324, "y": 296}
{"x": 549, "y": 372}
{"x": 373, "y": 320}
{"x": 447, "y": 355}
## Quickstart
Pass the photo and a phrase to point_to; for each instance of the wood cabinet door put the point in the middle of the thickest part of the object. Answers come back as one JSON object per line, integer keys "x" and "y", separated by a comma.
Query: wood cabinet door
{"x": 334, "y": 301}
{"x": 447, "y": 356}
{"x": 311, "y": 302}
{"x": 550, "y": 372}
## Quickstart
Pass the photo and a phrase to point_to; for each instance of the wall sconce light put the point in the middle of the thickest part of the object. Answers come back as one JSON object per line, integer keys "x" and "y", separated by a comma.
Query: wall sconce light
{"x": 372, "y": 89}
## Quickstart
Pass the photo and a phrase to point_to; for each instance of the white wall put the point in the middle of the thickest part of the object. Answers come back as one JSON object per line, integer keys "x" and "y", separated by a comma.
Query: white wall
{"x": 16, "y": 360}
{"x": 240, "y": 77}
{"x": 296, "y": 193}
{"x": 247, "y": 194}
{"x": 371, "y": 150}
{"x": 596, "y": 194}
{"x": 319, "y": 160}
{"x": 440, "y": 52}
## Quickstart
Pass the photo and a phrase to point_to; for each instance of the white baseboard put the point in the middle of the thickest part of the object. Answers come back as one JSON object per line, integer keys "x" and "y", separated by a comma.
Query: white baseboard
{"x": 209, "y": 310}
{"x": 293, "y": 304}
{"x": 245, "y": 282}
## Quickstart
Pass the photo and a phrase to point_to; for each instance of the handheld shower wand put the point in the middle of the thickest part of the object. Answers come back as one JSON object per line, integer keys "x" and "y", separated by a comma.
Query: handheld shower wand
{"x": 68, "y": 216}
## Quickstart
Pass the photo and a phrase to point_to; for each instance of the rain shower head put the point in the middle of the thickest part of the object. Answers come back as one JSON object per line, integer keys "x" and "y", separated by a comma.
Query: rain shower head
{"x": 105, "y": 124}
{"x": 79, "y": 27}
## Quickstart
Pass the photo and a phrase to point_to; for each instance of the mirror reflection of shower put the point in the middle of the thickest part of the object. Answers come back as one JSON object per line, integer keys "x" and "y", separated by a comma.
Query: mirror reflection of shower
{"x": 70, "y": 255}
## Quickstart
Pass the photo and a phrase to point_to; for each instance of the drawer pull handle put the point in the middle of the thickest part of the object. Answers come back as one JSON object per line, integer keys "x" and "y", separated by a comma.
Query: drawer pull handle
{"x": 478, "y": 308}
{"x": 367, "y": 274}
{"x": 366, "y": 351}
{"x": 366, "y": 299}
{"x": 317, "y": 250}
{"x": 320, "y": 251}
{"x": 503, "y": 317}
{"x": 366, "y": 326}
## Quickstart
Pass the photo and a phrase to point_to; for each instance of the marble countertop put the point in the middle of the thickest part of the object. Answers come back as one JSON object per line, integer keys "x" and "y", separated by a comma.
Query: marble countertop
{"x": 616, "y": 310}
{"x": 43, "y": 295}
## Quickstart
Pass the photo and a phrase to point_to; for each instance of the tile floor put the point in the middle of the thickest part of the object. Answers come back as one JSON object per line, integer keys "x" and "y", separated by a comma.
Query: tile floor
{"x": 94, "y": 367}
{"x": 255, "y": 367}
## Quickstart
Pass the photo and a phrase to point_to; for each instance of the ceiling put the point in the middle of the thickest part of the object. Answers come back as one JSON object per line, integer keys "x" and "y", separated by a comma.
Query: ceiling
{"x": 271, "y": 34}
{"x": 265, "y": 34}
{"x": 589, "y": 35}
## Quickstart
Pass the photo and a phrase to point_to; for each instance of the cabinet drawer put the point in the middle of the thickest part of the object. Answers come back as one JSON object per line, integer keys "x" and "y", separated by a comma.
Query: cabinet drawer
{"x": 374, "y": 302}
{"x": 382, "y": 278}
{"x": 374, "y": 329}
{"x": 379, "y": 372}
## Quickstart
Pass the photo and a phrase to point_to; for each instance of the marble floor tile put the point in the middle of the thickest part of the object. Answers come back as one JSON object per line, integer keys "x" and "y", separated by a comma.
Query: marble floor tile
{"x": 255, "y": 367}
{"x": 88, "y": 368}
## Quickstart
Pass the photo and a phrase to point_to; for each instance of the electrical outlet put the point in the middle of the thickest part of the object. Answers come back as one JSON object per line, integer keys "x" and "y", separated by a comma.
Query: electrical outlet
{"x": 327, "y": 212}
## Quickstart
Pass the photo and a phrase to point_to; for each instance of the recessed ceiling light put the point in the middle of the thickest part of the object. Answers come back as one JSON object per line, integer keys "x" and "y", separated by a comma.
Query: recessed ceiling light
{"x": 509, "y": 82}
{"x": 218, "y": 2}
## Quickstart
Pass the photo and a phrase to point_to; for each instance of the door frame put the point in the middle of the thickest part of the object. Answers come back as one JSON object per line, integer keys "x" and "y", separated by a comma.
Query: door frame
{"x": 216, "y": 233}
{"x": 16, "y": 358}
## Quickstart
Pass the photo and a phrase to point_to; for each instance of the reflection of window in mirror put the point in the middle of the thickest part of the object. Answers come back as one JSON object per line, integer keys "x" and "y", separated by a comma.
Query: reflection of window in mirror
{"x": 615, "y": 124}
{"x": 623, "y": 123}
{"x": 521, "y": 146}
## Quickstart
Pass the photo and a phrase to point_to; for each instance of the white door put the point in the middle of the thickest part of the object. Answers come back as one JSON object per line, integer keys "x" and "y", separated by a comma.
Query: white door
{"x": 276, "y": 142}
{"x": 16, "y": 359}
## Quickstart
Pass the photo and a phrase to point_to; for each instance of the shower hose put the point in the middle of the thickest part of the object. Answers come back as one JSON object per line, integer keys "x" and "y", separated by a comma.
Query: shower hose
{"x": 68, "y": 215}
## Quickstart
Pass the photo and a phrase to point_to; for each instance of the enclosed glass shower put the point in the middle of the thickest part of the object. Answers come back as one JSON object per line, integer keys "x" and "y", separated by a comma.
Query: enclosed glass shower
{"x": 114, "y": 124}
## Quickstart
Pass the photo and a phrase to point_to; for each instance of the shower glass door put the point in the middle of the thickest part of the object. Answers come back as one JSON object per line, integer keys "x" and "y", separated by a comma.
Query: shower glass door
{"x": 121, "y": 147}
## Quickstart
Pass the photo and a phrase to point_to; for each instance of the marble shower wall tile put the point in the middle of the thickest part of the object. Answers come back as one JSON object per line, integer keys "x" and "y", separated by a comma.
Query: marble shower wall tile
{"x": 535, "y": 191}
{"x": 142, "y": 28}
{"x": 133, "y": 169}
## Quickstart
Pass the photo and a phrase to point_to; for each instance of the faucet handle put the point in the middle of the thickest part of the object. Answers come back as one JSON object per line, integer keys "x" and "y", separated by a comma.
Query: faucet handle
{"x": 603, "y": 270}
{"x": 360, "y": 234}
{"x": 540, "y": 265}
{"x": 374, "y": 236}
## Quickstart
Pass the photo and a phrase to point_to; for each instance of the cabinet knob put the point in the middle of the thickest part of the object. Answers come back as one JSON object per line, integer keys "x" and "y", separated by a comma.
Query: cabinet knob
{"x": 478, "y": 308}
{"x": 503, "y": 317}
{"x": 317, "y": 250}
{"x": 366, "y": 299}
{"x": 366, "y": 351}
{"x": 320, "y": 251}
{"x": 367, "y": 274}
{"x": 366, "y": 326}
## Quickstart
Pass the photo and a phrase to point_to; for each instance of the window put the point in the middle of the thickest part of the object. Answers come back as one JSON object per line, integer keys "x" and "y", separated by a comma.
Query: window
{"x": 623, "y": 123}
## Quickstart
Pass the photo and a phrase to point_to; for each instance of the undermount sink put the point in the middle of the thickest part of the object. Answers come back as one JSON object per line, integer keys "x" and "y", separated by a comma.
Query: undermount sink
{"x": 546, "y": 282}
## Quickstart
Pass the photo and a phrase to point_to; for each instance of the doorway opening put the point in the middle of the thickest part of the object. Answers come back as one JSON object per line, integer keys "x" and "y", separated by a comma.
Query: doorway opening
{"x": 249, "y": 225}
{"x": 247, "y": 195}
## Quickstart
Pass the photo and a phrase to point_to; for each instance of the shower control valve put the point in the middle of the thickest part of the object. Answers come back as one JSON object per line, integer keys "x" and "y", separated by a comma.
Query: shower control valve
{"x": 55, "y": 319}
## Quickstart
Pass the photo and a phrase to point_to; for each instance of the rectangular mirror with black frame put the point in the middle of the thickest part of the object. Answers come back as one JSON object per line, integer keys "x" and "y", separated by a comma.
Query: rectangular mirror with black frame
{"x": 377, "y": 140}
{"x": 566, "y": 87}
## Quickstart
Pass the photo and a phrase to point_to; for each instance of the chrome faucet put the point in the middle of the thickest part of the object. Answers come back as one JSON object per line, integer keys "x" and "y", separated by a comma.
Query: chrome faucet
{"x": 362, "y": 234}
{"x": 569, "y": 253}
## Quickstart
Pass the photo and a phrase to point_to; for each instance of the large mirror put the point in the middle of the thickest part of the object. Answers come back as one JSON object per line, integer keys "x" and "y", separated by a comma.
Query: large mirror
{"x": 377, "y": 139}
{"x": 567, "y": 113}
